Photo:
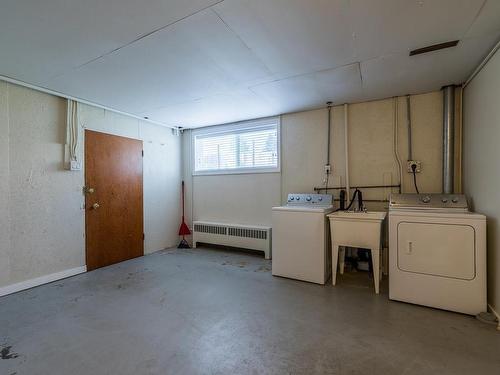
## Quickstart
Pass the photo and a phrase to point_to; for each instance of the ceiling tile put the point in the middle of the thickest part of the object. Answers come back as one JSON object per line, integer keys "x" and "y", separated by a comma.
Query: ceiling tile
{"x": 190, "y": 63}
{"x": 400, "y": 74}
{"x": 195, "y": 58}
{"x": 218, "y": 109}
{"x": 293, "y": 36}
{"x": 43, "y": 38}
{"x": 383, "y": 27}
{"x": 488, "y": 21}
{"x": 312, "y": 90}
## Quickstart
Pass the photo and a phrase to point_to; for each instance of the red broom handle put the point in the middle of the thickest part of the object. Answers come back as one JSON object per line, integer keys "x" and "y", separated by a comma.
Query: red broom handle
{"x": 182, "y": 200}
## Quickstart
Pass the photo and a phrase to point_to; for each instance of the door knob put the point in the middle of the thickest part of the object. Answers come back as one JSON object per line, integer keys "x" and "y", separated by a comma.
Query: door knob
{"x": 89, "y": 190}
{"x": 95, "y": 206}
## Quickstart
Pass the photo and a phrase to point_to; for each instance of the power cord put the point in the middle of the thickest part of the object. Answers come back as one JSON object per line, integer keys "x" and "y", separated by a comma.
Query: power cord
{"x": 356, "y": 192}
{"x": 414, "y": 171}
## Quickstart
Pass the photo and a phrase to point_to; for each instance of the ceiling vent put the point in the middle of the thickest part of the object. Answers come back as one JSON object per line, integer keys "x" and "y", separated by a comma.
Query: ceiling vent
{"x": 434, "y": 47}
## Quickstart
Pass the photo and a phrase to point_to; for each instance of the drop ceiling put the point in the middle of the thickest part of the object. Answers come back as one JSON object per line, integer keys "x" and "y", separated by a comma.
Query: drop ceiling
{"x": 194, "y": 63}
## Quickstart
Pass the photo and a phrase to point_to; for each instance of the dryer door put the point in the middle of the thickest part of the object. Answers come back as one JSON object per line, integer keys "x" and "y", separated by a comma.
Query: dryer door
{"x": 446, "y": 250}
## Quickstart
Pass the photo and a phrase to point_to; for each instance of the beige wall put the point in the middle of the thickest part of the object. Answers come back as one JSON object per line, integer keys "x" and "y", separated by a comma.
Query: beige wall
{"x": 4, "y": 186}
{"x": 249, "y": 198}
{"x": 481, "y": 153}
{"x": 41, "y": 203}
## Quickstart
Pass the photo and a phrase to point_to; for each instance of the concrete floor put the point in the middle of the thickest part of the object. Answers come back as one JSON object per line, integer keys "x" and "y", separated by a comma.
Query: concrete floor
{"x": 218, "y": 312}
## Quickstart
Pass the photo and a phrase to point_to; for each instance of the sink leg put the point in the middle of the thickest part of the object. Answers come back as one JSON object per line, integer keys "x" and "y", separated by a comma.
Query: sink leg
{"x": 376, "y": 268}
{"x": 342, "y": 250}
{"x": 335, "y": 259}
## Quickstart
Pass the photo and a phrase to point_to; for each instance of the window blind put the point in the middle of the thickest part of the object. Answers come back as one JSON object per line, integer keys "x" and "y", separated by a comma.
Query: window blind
{"x": 235, "y": 149}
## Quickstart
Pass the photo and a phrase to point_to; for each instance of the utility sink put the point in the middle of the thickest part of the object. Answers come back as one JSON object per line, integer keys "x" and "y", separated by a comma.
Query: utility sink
{"x": 356, "y": 215}
{"x": 356, "y": 229}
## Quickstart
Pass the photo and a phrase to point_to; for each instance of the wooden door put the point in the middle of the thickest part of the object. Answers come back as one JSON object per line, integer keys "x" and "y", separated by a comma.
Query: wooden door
{"x": 113, "y": 199}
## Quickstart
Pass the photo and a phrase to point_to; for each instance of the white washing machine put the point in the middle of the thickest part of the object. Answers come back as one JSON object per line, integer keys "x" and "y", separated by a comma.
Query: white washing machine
{"x": 301, "y": 238}
{"x": 437, "y": 252}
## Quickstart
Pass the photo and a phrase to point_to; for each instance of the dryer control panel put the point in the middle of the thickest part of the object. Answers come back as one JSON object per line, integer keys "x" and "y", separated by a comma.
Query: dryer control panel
{"x": 429, "y": 202}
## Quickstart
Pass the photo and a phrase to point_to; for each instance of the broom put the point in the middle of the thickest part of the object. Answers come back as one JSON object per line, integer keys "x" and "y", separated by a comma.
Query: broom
{"x": 184, "y": 229}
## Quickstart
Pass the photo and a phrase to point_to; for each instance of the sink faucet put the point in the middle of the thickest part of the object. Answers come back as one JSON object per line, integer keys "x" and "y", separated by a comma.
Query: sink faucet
{"x": 361, "y": 207}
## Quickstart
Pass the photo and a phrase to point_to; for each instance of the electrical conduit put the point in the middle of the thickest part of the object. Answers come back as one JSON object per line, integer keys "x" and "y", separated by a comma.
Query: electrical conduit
{"x": 346, "y": 140}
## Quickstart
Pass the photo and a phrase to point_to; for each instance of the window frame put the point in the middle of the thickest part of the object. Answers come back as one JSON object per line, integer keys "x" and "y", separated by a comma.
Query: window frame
{"x": 237, "y": 127}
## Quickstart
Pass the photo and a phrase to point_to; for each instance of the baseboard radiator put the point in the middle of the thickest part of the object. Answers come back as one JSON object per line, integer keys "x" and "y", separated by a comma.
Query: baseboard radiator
{"x": 244, "y": 236}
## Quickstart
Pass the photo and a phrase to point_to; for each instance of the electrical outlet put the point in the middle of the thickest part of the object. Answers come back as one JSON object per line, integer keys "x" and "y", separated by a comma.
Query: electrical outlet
{"x": 328, "y": 168}
{"x": 75, "y": 165}
{"x": 418, "y": 163}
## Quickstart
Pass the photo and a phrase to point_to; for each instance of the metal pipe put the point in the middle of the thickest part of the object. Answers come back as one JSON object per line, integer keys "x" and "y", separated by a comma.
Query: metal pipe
{"x": 327, "y": 166}
{"x": 79, "y": 100}
{"x": 369, "y": 200}
{"x": 346, "y": 140}
{"x": 408, "y": 121}
{"x": 395, "y": 142}
{"x": 448, "y": 139}
{"x": 329, "y": 104}
{"x": 357, "y": 187}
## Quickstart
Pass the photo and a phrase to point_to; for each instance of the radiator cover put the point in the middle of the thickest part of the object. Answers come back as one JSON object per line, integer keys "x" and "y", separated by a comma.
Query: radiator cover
{"x": 244, "y": 236}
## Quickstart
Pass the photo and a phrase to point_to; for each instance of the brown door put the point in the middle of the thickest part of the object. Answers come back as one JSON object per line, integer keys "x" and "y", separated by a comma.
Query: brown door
{"x": 113, "y": 199}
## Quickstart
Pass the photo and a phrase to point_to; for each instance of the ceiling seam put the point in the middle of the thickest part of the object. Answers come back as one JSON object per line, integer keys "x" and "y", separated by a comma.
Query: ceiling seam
{"x": 475, "y": 19}
{"x": 305, "y": 74}
{"x": 239, "y": 37}
{"x": 147, "y": 35}
{"x": 360, "y": 73}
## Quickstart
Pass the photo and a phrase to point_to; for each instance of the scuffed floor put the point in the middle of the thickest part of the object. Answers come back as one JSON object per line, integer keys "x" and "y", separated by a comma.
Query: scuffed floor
{"x": 218, "y": 312}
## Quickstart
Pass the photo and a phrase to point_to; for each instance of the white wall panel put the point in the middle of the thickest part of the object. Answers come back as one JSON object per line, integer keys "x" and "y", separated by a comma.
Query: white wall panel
{"x": 240, "y": 199}
{"x": 4, "y": 185}
{"x": 481, "y": 155}
{"x": 45, "y": 200}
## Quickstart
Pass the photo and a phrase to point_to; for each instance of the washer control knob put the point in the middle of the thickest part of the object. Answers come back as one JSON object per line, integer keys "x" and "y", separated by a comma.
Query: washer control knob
{"x": 426, "y": 199}
{"x": 455, "y": 200}
{"x": 444, "y": 200}
{"x": 308, "y": 199}
{"x": 292, "y": 198}
{"x": 320, "y": 199}
{"x": 298, "y": 198}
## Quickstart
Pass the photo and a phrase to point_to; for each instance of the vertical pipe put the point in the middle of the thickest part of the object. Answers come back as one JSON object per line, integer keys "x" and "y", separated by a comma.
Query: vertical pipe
{"x": 346, "y": 140}
{"x": 408, "y": 122}
{"x": 328, "y": 171}
{"x": 329, "y": 104}
{"x": 396, "y": 143}
{"x": 448, "y": 139}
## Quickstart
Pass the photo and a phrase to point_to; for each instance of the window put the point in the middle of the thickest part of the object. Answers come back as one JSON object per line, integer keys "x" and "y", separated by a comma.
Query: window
{"x": 249, "y": 147}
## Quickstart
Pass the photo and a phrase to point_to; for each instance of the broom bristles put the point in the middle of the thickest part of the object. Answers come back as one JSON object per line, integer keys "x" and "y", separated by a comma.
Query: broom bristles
{"x": 183, "y": 245}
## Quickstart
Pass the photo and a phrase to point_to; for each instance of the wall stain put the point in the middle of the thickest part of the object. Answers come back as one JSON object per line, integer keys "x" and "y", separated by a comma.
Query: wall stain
{"x": 5, "y": 353}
